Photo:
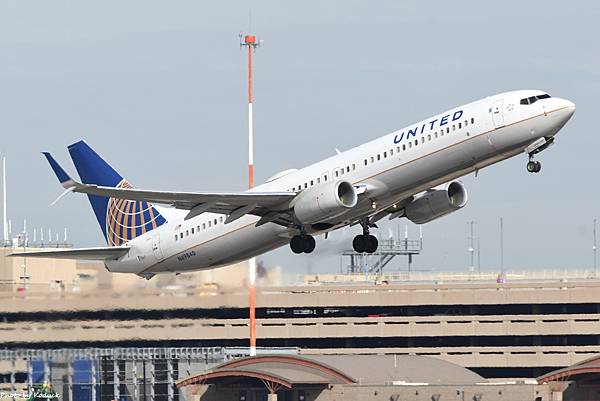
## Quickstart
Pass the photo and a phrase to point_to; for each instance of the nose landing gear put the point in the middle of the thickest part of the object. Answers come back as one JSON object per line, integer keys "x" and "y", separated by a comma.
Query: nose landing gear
{"x": 533, "y": 166}
{"x": 535, "y": 148}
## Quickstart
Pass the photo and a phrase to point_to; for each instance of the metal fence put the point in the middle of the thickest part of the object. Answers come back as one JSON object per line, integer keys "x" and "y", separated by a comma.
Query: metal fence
{"x": 102, "y": 374}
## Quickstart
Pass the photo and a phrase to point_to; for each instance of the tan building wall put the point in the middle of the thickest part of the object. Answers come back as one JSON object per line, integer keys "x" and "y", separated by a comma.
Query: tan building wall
{"x": 317, "y": 296}
{"x": 44, "y": 275}
{"x": 336, "y": 392}
{"x": 51, "y": 275}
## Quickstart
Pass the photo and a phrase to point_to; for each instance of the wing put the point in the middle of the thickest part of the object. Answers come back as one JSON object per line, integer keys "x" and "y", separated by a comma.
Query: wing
{"x": 270, "y": 206}
{"x": 99, "y": 253}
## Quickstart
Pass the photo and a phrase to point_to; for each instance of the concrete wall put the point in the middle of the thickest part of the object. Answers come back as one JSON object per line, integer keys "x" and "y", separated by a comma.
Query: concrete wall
{"x": 179, "y": 297}
{"x": 324, "y": 296}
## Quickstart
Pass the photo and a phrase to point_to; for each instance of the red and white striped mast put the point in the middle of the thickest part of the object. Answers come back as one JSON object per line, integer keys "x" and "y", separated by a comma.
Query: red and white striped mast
{"x": 251, "y": 43}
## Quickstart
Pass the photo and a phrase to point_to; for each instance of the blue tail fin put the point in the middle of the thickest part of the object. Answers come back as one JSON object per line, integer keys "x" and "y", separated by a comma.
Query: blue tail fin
{"x": 120, "y": 220}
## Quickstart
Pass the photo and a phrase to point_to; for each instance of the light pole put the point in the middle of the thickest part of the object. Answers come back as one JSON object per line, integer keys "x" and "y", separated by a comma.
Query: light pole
{"x": 472, "y": 247}
{"x": 251, "y": 43}
{"x": 595, "y": 249}
{"x": 501, "y": 246}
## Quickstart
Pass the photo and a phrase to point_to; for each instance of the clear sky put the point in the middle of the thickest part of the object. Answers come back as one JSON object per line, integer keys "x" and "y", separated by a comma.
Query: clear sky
{"x": 158, "y": 88}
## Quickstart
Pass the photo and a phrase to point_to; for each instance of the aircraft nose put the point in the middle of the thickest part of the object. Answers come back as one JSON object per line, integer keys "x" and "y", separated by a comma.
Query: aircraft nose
{"x": 563, "y": 111}
{"x": 570, "y": 107}
{"x": 564, "y": 107}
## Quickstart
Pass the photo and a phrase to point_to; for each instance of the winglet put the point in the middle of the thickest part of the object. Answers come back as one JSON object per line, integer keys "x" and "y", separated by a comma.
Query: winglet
{"x": 65, "y": 180}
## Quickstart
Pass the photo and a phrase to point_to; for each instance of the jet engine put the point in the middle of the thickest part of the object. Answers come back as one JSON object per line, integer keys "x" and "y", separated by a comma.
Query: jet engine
{"x": 437, "y": 202}
{"x": 324, "y": 202}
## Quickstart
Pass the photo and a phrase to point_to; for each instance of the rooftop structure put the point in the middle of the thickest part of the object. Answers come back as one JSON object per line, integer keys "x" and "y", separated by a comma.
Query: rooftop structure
{"x": 353, "y": 377}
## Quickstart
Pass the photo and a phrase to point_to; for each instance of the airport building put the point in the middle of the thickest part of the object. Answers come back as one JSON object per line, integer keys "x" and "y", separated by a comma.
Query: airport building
{"x": 122, "y": 335}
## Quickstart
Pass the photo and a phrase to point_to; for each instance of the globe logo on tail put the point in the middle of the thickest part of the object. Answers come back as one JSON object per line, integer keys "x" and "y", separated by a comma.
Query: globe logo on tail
{"x": 128, "y": 219}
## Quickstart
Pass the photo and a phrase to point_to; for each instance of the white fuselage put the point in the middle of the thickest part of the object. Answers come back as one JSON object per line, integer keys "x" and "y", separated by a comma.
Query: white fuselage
{"x": 393, "y": 168}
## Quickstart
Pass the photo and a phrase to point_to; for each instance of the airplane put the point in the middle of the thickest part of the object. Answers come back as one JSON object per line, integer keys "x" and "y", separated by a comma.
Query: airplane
{"x": 411, "y": 173}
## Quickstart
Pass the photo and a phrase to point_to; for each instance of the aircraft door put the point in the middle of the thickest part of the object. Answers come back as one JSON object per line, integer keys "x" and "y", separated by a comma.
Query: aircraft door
{"x": 497, "y": 113}
{"x": 156, "y": 247}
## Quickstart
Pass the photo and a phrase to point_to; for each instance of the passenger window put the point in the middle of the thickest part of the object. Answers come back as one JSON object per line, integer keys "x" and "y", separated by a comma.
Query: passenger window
{"x": 410, "y": 145}
{"x": 422, "y": 139}
{"x": 398, "y": 149}
{"x": 466, "y": 122}
{"x": 336, "y": 173}
{"x": 435, "y": 134}
{"x": 429, "y": 137}
{"x": 453, "y": 127}
{"x": 347, "y": 169}
{"x": 221, "y": 219}
{"x": 305, "y": 185}
{"x": 378, "y": 156}
{"x": 404, "y": 147}
{"x": 192, "y": 230}
{"x": 209, "y": 223}
{"x": 366, "y": 162}
{"x": 342, "y": 171}
{"x": 318, "y": 180}
{"x": 372, "y": 159}
{"x": 175, "y": 237}
{"x": 447, "y": 130}
{"x": 459, "y": 125}
{"x": 312, "y": 183}
{"x": 198, "y": 230}
{"x": 325, "y": 177}
{"x": 353, "y": 166}
{"x": 472, "y": 120}
{"x": 384, "y": 155}
{"x": 181, "y": 235}
{"x": 204, "y": 226}
{"x": 391, "y": 152}
{"x": 215, "y": 222}
{"x": 416, "y": 142}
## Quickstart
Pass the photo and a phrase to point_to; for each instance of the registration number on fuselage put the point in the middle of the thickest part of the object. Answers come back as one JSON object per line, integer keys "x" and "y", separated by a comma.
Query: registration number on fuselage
{"x": 186, "y": 256}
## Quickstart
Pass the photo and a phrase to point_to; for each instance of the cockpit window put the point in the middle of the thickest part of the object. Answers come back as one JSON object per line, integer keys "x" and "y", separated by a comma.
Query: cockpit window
{"x": 533, "y": 99}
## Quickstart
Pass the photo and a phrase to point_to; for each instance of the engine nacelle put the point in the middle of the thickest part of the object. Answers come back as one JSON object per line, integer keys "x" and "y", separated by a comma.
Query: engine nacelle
{"x": 325, "y": 202}
{"x": 437, "y": 202}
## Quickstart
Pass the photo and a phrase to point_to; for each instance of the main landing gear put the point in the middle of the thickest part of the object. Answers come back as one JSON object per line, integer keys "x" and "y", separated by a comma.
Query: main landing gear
{"x": 303, "y": 243}
{"x": 365, "y": 242}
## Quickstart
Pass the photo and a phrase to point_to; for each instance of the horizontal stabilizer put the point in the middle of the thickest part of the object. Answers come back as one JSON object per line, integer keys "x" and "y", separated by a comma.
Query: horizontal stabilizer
{"x": 99, "y": 253}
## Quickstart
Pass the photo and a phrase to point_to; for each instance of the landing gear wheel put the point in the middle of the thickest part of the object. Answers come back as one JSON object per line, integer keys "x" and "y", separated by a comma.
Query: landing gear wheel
{"x": 531, "y": 166}
{"x": 309, "y": 244}
{"x": 365, "y": 243}
{"x": 297, "y": 244}
{"x": 538, "y": 167}
{"x": 302, "y": 244}
{"x": 372, "y": 244}
{"x": 359, "y": 243}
